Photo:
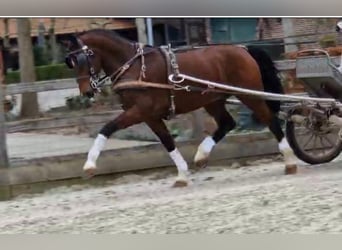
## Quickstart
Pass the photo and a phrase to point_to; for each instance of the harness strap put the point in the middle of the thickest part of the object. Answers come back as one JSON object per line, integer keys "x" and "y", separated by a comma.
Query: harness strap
{"x": 131, "y": 84}
{"x": 120, "y": 71}
{"x": 139, "y": 53}
{"x": 140, "y": 84}
{"x": 172, "y": 66}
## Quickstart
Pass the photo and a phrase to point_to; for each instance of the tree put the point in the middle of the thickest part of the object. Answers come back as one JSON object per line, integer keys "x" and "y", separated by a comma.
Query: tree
{"x": 6, "y": 35}
{"x": 52, "y": 41}
{"x": 29, "y": 104}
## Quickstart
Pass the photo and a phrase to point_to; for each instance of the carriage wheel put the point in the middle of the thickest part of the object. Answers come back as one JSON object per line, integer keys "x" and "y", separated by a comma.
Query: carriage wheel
{"x": 314, "y": 140}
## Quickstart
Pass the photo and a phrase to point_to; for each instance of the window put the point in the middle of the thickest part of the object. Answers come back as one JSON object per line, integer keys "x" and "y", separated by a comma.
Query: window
{"x": 233, "y": 30}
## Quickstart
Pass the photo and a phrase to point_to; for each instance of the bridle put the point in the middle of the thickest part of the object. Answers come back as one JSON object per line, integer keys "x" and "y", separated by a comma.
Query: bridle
{"x": 83, "y": 56}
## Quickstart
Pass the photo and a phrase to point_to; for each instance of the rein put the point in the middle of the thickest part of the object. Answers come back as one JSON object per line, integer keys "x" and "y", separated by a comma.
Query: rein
{"x": 120, "y": 71}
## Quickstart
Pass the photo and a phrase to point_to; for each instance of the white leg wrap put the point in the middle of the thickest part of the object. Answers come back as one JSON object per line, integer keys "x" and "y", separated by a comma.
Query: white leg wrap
{"x": 289, "y": 156}
{"x": 179, "y": 161}
{"x": 205, "y": 148}
{"x": 94, "y": 152}
{"x": 181, "y": 164}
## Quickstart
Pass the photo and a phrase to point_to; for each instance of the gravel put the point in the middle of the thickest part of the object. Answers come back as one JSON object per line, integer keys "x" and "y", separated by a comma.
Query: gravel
{"x": 254, "y": 199}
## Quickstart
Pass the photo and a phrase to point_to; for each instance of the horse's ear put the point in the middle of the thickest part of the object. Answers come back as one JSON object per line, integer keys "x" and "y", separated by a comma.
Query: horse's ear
{"x": 66, "y": 43}
{"x": 70, "y": 43}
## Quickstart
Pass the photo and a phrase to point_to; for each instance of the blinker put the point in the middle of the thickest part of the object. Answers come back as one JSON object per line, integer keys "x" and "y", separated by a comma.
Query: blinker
{"x": 80, "y": 60}
{"x": 69, "y": 61}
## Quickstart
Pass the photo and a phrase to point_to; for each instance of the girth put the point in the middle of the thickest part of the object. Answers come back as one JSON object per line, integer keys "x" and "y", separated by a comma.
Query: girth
{"x": 171, "y": 67}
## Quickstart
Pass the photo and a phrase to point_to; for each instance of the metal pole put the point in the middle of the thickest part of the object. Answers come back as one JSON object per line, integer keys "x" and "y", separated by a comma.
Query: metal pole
{"x": 166, "y": 33}
{"x": 149, "y": 28}
{"x": 4, "y": 163}
{"x": 141, "y": 30}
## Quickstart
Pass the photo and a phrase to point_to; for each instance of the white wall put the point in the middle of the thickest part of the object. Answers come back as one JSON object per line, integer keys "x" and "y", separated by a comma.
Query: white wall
{"x": 48, "y": 99}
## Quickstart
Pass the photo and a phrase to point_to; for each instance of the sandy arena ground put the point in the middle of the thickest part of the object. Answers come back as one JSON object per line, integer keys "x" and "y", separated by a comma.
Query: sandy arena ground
{"x": 253, "y": 199}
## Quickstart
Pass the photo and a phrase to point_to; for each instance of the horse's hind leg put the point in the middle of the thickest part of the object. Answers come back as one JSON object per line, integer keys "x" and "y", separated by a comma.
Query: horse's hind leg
{"x": 159, "y": 128}
{"x": 265, "y": 115}
{"x": 225, "y": 123}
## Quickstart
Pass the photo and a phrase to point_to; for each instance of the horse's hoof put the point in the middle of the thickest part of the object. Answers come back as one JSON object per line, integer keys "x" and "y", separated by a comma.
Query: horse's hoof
{"x": 290, "y": 169}
{"x": 203, "y": 163}
{"x": 89, "y": 171}
{"x": 182, "y": 179}
{"x": 88, "y": 174}
{"x": 201, "y": 158}
{"x": 180, "y": 183}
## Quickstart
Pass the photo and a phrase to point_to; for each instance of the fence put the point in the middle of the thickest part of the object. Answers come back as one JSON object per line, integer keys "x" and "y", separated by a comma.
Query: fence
{"x": 89, "y": 120}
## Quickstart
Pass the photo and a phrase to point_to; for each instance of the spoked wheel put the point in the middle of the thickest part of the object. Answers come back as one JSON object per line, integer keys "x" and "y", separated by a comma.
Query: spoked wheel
{"x": 313, "y": 139}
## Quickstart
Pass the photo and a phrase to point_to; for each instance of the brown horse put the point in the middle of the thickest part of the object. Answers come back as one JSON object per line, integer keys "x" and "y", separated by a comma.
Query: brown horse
{"x": 123, "y": 60}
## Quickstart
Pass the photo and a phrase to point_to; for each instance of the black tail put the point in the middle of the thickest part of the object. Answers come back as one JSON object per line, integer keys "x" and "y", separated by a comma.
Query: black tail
{"x": 269, "y": 75}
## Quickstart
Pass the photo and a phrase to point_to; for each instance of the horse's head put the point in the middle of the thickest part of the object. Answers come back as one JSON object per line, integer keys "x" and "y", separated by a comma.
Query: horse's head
{"x": 339, "y": 26}
{"x": 86, "y": 63}
{"x": 92, "y": 51}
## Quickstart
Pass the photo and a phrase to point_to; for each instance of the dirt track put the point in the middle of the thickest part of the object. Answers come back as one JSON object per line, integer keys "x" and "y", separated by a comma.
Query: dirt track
{"x": 258, "y": 199}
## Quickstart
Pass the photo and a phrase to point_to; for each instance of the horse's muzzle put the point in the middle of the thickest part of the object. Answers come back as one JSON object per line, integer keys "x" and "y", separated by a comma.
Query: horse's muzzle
{"x": 89, "y": 94}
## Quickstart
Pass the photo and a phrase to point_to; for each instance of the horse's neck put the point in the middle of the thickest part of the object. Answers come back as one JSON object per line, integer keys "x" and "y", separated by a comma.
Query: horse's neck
{"x": 116, "y": 55}
{"x": 120, "y": 51}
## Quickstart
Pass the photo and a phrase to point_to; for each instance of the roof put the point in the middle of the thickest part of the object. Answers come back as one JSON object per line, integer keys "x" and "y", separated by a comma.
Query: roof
{"x": 69, "y": 25}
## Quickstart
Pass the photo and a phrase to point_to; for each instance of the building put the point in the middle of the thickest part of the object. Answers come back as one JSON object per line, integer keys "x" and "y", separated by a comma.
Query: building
{"x": 268, "y": 33}
{"x": 67, "y": 26}
{"x": 179, "y": 31}
{"x": 63, "y": 28}
{"x": 273, "y": 34}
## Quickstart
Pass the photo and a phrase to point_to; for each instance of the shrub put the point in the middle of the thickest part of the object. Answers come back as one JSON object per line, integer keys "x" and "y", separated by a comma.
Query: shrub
{"x": 44, "y": 73}
{"x": 327, "y": 41}
{"x": 40, "y": 56}
{"x": 78, "y": 102}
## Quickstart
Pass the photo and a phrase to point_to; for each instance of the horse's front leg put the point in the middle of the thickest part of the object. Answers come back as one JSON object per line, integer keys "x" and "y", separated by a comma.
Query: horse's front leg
{"x": 126, "y": 119}
{"x": 159, "y": 128}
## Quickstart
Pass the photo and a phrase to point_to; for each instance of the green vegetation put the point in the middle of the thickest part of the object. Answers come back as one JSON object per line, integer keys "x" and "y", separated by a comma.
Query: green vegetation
{"x": 328, "y": 41}
{"x": 43, "y": 73}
